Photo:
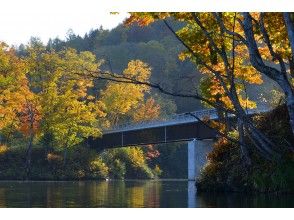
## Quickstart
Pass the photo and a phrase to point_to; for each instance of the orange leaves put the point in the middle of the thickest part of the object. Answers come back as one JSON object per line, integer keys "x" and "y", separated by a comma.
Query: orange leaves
{"x": 14, "y": 88}
{"x": 151, "y": 152}
{"x": 30, "y": 118}
{"x": 144, "y": 19}
{"x": 277, "y": 32}
{"x": 147, "y": 111}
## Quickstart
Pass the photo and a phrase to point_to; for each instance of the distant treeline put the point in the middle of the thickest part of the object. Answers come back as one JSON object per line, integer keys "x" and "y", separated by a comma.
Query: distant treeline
{"x": 154, "y": 45}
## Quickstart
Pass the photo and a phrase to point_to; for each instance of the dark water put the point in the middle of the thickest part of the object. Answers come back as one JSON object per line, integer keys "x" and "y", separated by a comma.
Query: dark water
{"x": 127, "y": 194}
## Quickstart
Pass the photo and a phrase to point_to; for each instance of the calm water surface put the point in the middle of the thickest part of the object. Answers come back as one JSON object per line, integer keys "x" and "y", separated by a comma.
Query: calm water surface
{"x": 127, "y": 194}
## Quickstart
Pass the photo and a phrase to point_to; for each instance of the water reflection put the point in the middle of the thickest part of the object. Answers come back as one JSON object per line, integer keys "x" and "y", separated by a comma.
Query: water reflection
{"x": 126, "y": 194}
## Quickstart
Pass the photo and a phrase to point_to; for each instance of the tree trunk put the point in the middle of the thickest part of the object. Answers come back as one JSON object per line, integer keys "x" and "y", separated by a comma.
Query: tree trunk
{"x": 290, "y": 107}
{"x": 64, "y": 156}
{"x": 262, "y": 143}
{"x": 28, "y": 157}
{"x": 257, "y": 62}
{"x": 244, "y": 151}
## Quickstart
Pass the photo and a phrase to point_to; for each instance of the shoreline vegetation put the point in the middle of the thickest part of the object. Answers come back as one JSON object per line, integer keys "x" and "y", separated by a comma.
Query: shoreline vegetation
{"x": 224, "y": 171}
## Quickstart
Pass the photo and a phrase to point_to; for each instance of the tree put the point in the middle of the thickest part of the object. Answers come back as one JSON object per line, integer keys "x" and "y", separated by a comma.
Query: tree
{"x": 273, "y": 52}
{"x": 215, "y": 44}
{"x": 19, "y": 107}
{"x": 147, "y": 111}
{"x": 13, "y": 89}
{"x": 69, "y": 112}
{"x": 30, "y": 118}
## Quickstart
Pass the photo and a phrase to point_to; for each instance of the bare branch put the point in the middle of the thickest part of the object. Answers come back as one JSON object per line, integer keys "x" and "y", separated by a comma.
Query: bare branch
{"x": 190, "y": 49}
{"x": 123, "y": 79}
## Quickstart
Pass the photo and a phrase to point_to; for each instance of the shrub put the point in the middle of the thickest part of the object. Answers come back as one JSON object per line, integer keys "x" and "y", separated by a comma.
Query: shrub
{"x": 157, "y": 171}
{"x": 98, "y": 168}
{"x": 118, "y": 169}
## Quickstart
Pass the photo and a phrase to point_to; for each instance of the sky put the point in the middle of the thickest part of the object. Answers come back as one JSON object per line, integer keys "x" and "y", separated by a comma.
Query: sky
{"x": 20, "y": 20}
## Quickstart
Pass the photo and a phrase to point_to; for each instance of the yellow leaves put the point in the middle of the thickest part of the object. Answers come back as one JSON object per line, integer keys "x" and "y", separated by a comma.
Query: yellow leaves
{"x": 69, "y": 112}
{"x": 277, "y": 32}
{"x": 3, "y": 149}
{"x": 137, "y": 70}
{"x": 99, "y": 168}
{"x": 54, "y": 157}
{"x": 182, "y": 56}
{"x": 247, "y": 104}
{"x": 120, "y": 98}
{"x": 136, "y": 156}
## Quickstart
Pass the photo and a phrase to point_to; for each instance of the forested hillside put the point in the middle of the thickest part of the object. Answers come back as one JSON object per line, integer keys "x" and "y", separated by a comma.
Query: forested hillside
{"x": 154, "y": 45}
{"x": 158, "y": 47}
{"x": 47, "y": 116}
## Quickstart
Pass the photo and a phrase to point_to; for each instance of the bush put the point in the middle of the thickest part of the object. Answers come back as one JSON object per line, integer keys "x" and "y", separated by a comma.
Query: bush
{"x": 157, "y": 171}
{"x": 98, "y": 169}
{"x": 225, "y": 170}
{"x": 118, "y": 169}
{"x": 81, "y": 163}
{"x": 128, "y": 162}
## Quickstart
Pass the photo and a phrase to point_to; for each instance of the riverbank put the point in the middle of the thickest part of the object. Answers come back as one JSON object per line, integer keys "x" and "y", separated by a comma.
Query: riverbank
{"x": 226, "y": 171}
{"x": 81, "y": 163}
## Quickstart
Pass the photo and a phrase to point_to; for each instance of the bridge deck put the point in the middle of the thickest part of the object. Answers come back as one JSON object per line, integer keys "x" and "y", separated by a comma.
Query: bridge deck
{"x": 181, "y": 127}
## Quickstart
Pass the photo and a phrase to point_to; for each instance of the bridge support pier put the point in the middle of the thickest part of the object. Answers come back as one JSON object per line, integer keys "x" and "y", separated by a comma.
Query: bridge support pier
{"x": 197, "y": 152}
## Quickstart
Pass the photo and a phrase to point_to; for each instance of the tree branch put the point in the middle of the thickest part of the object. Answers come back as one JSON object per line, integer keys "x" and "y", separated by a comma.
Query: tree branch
{"x": 275, "y": 55}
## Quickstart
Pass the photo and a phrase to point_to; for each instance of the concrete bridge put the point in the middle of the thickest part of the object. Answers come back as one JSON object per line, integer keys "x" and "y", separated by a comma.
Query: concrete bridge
{"x": 176, "y": 128}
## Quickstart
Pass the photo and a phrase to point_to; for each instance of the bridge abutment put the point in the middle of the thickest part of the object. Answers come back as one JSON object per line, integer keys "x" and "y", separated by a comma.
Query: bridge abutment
{"x": 197, "y": 156}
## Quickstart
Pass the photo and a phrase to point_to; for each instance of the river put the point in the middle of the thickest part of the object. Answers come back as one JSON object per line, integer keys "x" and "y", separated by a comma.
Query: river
{"x": 131, "y": 193}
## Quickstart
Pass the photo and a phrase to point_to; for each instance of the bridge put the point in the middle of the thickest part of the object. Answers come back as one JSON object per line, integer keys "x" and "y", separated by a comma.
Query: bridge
{"x": 176, "y": 128}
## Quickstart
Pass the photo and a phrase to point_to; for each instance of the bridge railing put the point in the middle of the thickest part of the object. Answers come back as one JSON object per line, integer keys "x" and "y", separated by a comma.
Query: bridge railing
{"x": 176, "y": 119}
{"x": 173, "y": 119}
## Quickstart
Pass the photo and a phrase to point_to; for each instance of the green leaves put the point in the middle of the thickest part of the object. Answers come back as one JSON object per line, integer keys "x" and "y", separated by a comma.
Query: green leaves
{"x": 62, "y": 87}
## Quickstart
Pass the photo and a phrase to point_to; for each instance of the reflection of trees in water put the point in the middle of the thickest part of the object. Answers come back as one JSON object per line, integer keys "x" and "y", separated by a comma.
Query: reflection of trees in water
{"x": 55, "y": 194}
{"x": 243, "y": 200}
{"x": 145, "y": 195}
{"x": 126, "y": 194}
{"x": 2, "y": 198}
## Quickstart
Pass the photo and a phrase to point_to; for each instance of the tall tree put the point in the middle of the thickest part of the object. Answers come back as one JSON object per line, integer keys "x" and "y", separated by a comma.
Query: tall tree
{"x": 69, "y": 112}
{"x": 215, "y": 42}
{"x": 13, "y": 89}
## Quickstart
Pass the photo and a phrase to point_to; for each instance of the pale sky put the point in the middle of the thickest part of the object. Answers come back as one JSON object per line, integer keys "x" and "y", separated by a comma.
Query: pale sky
{"x": 21, "y": 19}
